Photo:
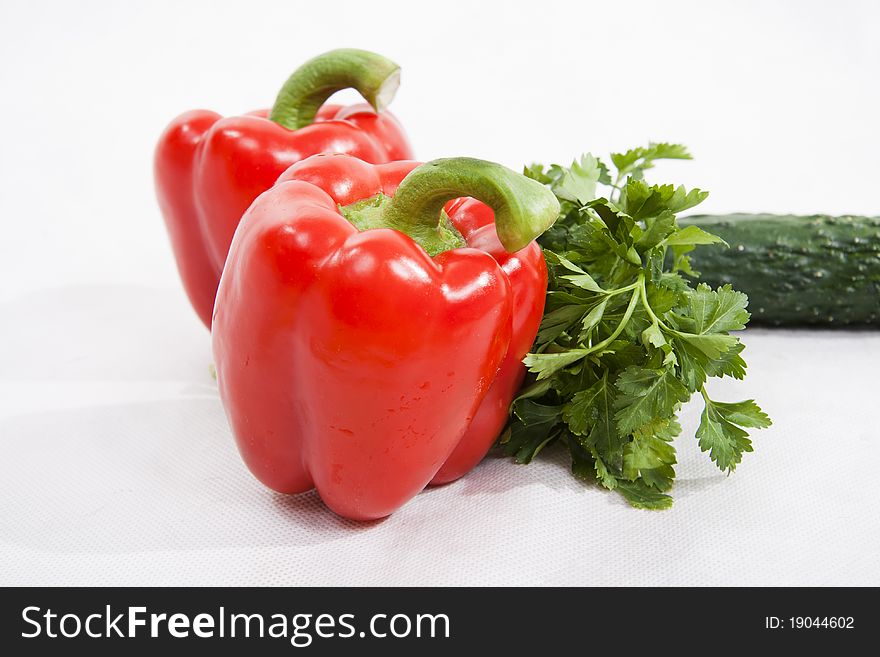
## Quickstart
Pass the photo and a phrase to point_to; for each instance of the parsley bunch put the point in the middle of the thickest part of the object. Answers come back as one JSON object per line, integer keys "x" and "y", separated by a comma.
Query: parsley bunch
{"x": 626, "y": 339}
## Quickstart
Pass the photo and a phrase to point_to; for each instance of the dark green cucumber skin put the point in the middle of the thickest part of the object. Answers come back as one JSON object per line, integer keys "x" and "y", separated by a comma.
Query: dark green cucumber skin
{"x": 812, "y": 270}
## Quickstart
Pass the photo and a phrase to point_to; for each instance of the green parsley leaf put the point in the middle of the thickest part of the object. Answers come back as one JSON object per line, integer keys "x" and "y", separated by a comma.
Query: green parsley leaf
{"x": 536, "y": 172}
{"x": 721, "y": 434}
{"x": 692, "y": 363}
{"x": 714, "y": 311}
{"x": 729, "y": 363}
{"x": 642, "y": 496}
{"x": 587, "y": 465}
{"x": 603, "y": 474}
{"x": 581, "y": 278}
{"x": 533, "y": 429}
{"x": 711, "y": 345}
{"x": 636, "y": 161}
{"x": 658, "y": 229}
{"x": 591, "y": 320}
{"x": 692, "y": 236}
{"x": 557, "y": 321}
{"x": 545, "y": 365}
{"x": 578, "y": 183}
{"x": 646, "y": 394}
{"x": 590, "y": 414}
{"x": 650, "y": 456}
{"x": 653, "y": 336}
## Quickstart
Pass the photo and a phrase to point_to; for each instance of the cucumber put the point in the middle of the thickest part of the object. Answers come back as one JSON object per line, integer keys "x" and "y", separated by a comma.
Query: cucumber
{"x": 812, "y": 270}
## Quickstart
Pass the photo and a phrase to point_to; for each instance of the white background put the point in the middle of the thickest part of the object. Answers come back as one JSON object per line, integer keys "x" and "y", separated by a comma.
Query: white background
{"x": 116, "y": 463}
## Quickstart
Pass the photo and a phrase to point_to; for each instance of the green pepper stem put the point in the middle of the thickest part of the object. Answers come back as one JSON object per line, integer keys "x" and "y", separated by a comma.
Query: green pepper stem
{"x": 373, "y": 76}
{"x": 524, "y": 208}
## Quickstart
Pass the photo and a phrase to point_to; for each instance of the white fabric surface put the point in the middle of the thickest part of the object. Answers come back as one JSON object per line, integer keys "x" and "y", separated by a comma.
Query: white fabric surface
{"x": 116, "y": 463}
{"x": 118, "y": 468}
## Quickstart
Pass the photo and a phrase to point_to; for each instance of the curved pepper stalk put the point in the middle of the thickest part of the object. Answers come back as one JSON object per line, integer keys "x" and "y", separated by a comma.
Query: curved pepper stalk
{"x": 374, "y": 77}
{"x": 352, "y": 361}
{"x": 524, "y": 208}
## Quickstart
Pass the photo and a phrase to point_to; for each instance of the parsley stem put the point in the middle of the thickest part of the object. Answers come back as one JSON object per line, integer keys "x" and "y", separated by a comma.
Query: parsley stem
{"x": 643, "y": 293}
{"x": 621, "y": 290}
{"x": 626, "y": 315}
{"x": 616, "y": 187}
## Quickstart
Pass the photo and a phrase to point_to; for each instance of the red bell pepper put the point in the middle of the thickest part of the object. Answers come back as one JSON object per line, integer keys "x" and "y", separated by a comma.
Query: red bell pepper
{"x": 209, "y": 169}
{"x": 366, "y": 341}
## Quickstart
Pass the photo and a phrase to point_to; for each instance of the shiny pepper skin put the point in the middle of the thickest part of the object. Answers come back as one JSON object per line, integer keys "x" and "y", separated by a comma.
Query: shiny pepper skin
{"x": 354, "y": 363}
{"x": 209, "y": 169}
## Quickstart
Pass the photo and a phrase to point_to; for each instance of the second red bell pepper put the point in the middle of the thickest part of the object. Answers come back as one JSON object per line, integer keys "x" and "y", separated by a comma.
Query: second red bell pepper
{"x": 209, "y": 169}
{"x": 366, "y": 341}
